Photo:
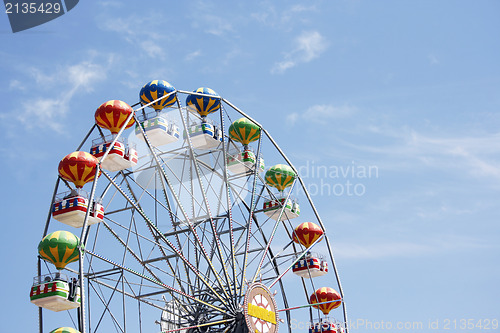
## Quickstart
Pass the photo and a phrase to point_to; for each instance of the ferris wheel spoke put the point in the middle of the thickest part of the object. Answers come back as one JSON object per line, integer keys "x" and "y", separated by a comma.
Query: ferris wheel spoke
{"x": 164, "y": 178}
{"x": 171, "y": 289}
{"x": 251, "y": 216}
{"x": 129, "y": 250}
{"x": 199, "y": 277}
{"x": 215, "y": 237}
{"x": 217, "y": 193}
{"x": 173, "y": 216}
{"x": 218, "y": 322}
{"x": 278, "y": 256}
{"x": 135, "y": 294}
{"x": 160, "y": 235}
{"x": 206, "y": 257}
{"x": 137, "y": 198}
{"x": 256, "y": 235}
{"x": 182, "y": 186}
{"x": 212, "y": 254}
{"x": 259, "y": 236}
{"x": 183, "y": 281}
{"x": 271, "y": 237}
{"x": 138, "y": 237}
{"x": 110, "y": 287}
{"x": 151, "y": 196}
{"x": 203, "y": 188}
{"x": 192, "y": 228}
{"x": 189, "y": 282}
{"x": 209, "y": 271}
{"x": 106, "y": 306}
{"x": 232, "y": 254}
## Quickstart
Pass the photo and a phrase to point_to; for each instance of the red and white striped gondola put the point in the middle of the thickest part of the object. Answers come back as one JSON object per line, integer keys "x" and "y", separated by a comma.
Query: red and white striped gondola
{"x": 70, "y": 208}
{"x": 310, "y": 265}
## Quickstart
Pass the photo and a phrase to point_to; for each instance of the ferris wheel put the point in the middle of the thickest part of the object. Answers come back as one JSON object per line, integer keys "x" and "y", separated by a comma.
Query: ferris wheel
{"x": 181, "y": 228}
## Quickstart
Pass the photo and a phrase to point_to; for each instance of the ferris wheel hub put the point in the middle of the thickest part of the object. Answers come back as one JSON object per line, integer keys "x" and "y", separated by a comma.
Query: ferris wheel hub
{"x": 260, "y": 309}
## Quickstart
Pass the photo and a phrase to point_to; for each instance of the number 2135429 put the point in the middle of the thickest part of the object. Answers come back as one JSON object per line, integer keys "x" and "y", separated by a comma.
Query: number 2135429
{"x": 470, "y": 324}
{"x": 32, "y": 8}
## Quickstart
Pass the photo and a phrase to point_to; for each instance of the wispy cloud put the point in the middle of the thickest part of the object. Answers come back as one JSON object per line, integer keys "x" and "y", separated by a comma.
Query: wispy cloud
{"x": 409, "y": 249}
{"x": 152, "y": 48}
{"x": 320, "y": 113}
{"x": 403, "y": 147}
{"x": 216, "y": 25}
{"x": 297, "y": 9}
{"x": 193, "y": 55}
{"x": 46, "y": 110}
{"x": 308, "y": 45}
{"x": 477, "y": 155}
{"x": 292, "y": 118}
{"x": 207, "y": 17}
{"x": 16, "y": 85}
{"x": 142, "y": 31}
{"x": 283, "y": 18}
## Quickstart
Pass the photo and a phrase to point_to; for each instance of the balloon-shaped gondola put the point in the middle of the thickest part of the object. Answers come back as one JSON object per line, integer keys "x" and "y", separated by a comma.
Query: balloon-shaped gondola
{"x": 157, "y": 89}
{"x": 60, "y": 248}
{"x": 204, "y": 101}
{"x": 204, "y": 134}
{"x": 244, "y": 131}
{"x": 70, "y": 208}
{"x": 309, "y": 265}
{"x": 78, "y": 167}
{"x": 307, "y": 233}
{"x": 113, "y": 115}
{"x": 159, "y": 129}
{"x": 280, "y": 177}
{"x": 328, "y": 297}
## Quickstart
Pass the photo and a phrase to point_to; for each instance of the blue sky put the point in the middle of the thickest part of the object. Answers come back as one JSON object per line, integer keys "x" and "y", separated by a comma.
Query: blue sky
{"x": 409, "y": 88}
